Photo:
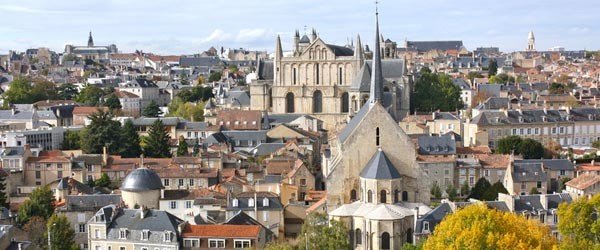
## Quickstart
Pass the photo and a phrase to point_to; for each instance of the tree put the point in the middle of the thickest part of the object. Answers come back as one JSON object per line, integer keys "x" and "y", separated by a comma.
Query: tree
{"x": 182, "y": 147}
{"x": 215, "y": 77}
{"x": 61, "y": 234}
{"x": 103, "y": 181}
{"x": 323, "y": 236}
{"x": 436, "y": 191}
{"x": 508, "y": 145}
{"x": 90, "y": 95}
{"x": 130, "y": 141}
{"x": 37, "y": 231}
{"x": 531, "y": 149}
{"x": 534, "y": 190}
{"x": 43, "y": 90}
{"x": 480, "y": 188}
{"x": 102, "y": 132}
{"x": 491, "y": 194}
{"x": 472, "y": 75}
{"x": 112, "y": 102}
{"x": 67, "y": 91}
{"x": 501, "y": 78}
{"x": 18, "y": 91}
{"x": 579, "y": 224}
{"x": 557, "y": 88}
{"x": 435, "y": 92}
{"x": 40, "y": 203}
{"x": 464, "y": 188}
{"x": 3, "y": 194}
{"x": 72, "y": 140}
{"x": 187, "y": 110}
{"x": 452, "y": 192}
{"x": 479, "y": 227}
{"x": 156, "y": 144}
{"x": 197, "y": 93}
{"x": 152, "y": 110}
{"x": 493, "y": 68}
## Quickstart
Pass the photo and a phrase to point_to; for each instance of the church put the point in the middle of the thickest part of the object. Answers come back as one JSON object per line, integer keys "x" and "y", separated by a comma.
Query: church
{"x": 374, "y": 184}
{"x": 330, "y": 82}
{"x": 91, "y": 51}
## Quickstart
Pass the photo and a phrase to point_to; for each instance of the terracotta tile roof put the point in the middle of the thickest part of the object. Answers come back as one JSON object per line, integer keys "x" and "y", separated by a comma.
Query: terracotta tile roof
{"x": 280, "y": 167}
{"x": 222, "y": 231}
{"x": 177, "y": 172}
{"x": 130, "y": 56}
{"x": 116, "y": 163}
{"x": 87, "y": 110}
{"x": 49, "y": 156}
{"x": 434, "y": 158}
{"x": 584, "y": 181}
{"x": 494, "y": 161}
{"x": 473, "y": 150}
{"x": 186, "y": 160}
{"x": 588, "y": 167}
{"x": 159, "y": 58}
{"x": 125, "y": 94}
{"x": 240, "y": 116}
{"x": 297, "y": 165}
{"x": 318, "y": 204}
{"x": 315, "y": 195}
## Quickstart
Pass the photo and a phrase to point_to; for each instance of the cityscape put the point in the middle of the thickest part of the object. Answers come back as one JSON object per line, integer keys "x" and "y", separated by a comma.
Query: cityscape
{"x": 313, "y": 130}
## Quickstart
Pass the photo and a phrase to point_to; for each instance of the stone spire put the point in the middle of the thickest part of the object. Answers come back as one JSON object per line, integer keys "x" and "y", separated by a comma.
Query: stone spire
{"x": 376, "y": 93}
{"x": 278, "y": 50}
{"x": 90, "y": 40}
{"x": 358, "y": 49}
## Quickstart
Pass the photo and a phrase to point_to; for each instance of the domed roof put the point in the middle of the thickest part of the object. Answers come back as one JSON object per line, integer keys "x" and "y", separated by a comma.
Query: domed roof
{"x": 141, "y": 179}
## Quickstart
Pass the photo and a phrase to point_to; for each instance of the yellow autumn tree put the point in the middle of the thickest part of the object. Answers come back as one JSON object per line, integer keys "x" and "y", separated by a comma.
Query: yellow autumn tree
{"x": 479, "y": 227}
{"x": 579, "y": 224}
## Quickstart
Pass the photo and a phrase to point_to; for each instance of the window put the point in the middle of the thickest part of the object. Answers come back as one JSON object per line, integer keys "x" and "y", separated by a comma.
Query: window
{"x": 216, "y": 243}
{"x": 555, "y": 218}
{"x": 188, "y": 204}
{"x": 265, "y": 202}
{"x": 385, "y": 240}
{"x": 317, "y": 102}
{"x": 168, "y": 236}
{"x": 251, "y": 202}
{"x": 166, "y": 182}
{"x": 358, "y": 236}
{"x": 123, "y": 234}
{"x": 471, "y": 180}
{"x": 340, "y": 74}
{"x": 563, "y": 172}
{"x": 345, "y": 102}
{"x": 486, "y": 173}
{"x": 352, "y": 195}
{"x": 145, "y": 234}
{"x": 539, "y": 184}
{"x": 122, "y": 248}
{"x": 536, "y": 131}
{"x": 289, "y": 103}
{"x": 38, "y": 174}
{"x": 180, "y": 182}
{"x": 191, "y": 182}
{"x": 294, "y": 76}
{"x": 303, "y": 182}
{"x": 234, "y": 203}
{"x": 542, "y": 218}
{"x": 383, "y": 196}
{"x": 523, "y": 186}
{"x": 317, "y": 71}
{"x": 59, "y": 174}
{"x": 369, "y": 196}
{"x": 404, "y": 196}
{"x": 82, "y": 228}
{"x": 241, "y": 243}
{"x": 173, "y": 204}
{"x": 265, "y": 215}
{"x": 377, "y": 136}
{"x": 426, "y": 226}
{"x": 59, "y": 165}
{"x": 191, "y": 242}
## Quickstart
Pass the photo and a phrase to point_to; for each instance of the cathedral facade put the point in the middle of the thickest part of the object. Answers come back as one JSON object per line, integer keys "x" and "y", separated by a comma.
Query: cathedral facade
{"x": 327, "y": 81}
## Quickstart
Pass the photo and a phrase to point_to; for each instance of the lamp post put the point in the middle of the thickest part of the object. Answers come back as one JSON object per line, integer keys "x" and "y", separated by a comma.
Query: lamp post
{"x": 49, "y": 238}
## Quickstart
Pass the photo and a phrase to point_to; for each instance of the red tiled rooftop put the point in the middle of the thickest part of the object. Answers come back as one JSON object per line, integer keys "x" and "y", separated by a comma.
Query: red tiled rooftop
{"x": 222, "y": 231}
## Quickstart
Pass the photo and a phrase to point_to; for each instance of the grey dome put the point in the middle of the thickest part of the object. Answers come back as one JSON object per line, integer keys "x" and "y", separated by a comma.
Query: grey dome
{"x": 141, "y": 179}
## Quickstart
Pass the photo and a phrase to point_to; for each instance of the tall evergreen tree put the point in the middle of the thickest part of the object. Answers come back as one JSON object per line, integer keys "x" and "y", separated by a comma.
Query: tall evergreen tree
{"x": 130, "y": 141}
{"x": 182, "y": 147}
{"x": 112, "y": 102}
{"x": 156, "y": 144}
{"x": 152, "y": 110}
{"x": 102, "y": 131}
{"x": 3, "y": 197}
{"x": 480, "y": 188}
{"x": 493, "y": 68}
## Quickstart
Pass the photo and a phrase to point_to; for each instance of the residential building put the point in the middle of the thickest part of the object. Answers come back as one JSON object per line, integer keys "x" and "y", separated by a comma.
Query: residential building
{"x": 223, "y": 237}
{"x": 584, "y": 185}
{"x": 264, "y": 207}
{"x": 523, "y": 177}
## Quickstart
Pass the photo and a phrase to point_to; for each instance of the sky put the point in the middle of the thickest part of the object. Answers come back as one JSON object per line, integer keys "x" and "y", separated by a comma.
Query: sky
{"x": 192, "y": 26}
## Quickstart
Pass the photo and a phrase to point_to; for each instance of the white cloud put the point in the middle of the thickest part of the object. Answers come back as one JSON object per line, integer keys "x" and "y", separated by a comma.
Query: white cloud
{"x": 579, "y": 30}
{"x": 217, "y": 35}
{"x": 28, "y": 10}
{"x": 250, "y": 35}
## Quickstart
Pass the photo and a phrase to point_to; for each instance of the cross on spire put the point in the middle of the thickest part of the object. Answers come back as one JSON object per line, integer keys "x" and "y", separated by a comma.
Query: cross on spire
{"x": 376, "y": 7}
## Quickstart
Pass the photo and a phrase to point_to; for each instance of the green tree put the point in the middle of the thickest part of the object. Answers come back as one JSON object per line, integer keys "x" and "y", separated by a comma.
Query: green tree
{"x": 67, "y": 91}
{"x": 596, "y": 144}
{"x": 493, "y": 69}
{"x": 435, "y": 92}
{"x": 215, "y": 76}
{"x": 465, "y": 189}
{"x": 156, "y": 144}
{"x": 557, "y": 88}
{"x": 491, "y": 194}
{"x": 102, "y": 131}
{"x": 479, "y": 227}
{"x": 43, "y": 90}
{"x": 40, "y": 203}
{"x": 531, "y": 149}
{"x": 130, "y": 141}
{"x": 474, "y": 74}
{"x": 187, "y": 110}
{"x": 323, "y": 236}
{"x": 90, "y": 95}
{"x": 182, "y": 147}
{"x": 436, "y": 191}
{"x": 19, "y": 91}
{"x": 61, "y": 234}
{"x": 452, "y": 192}
{"x": 579, "y": 224}
{"x": 195, "y": 94}
{"x": 534, "y": 190}
{"x": 72, "y": 140}
{"x": 103, "y": 181}
{"x": 3, "y": 194}
{"x": 152, "y": 110}
{"x": 480, "y": 188}
{"x": 112, "y": 102}
{"x": 508, "y": 145}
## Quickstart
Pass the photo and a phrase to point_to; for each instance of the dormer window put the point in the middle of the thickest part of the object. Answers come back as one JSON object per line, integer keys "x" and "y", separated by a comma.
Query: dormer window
{"x": 234, "y": 203}
{"x": 591, "y": 117}
{"x": 168, "y": 236}
{"x": 425, "y": 226}
{"x": 145, "y": 234}
{"x": 123, "y": 234}
{"x": 520, "y": 119}
{"x": 265, "y": 202}
{"x": 251, "y": 202}
{"x": 544, "y": 119}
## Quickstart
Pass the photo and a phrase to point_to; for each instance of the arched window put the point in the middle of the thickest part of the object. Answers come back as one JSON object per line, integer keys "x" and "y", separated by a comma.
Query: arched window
{"x": 289, "y": 103}
{"x": 377, "y": 136}
{"x": 370, "y": 196}
{"x": 396, "y": 196}
{"x": 383, "y": 196}
{"x": 251, "y": 202}
{"x": 317, "y": 102}
{"x": 317, "y": 74}
{"x": 404, "y": 196}
{"x": 358, "y": 236}
{"x": 353, "y": 195}
{"x": 385, "y": 240}
{"x": 345, "y": 103}
{"x": 294, "y": 76}
{"x": 270, "y": 98}
{"x": 340, "y": 74}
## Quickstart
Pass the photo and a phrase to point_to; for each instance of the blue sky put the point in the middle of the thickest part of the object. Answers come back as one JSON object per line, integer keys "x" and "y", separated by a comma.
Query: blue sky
{"x": 192, "y": 26}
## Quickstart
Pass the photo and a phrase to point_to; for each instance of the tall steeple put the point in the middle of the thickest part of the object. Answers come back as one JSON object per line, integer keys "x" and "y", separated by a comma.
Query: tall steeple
{"x": 90, "y": 40}
{"x": 376, "y": 93}
{"x": 358, "y": 50}
{"x": 278, "y": 49}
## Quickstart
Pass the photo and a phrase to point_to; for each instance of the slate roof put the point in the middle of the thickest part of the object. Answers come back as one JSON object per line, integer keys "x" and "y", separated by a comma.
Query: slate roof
{"x": 141, "y": 179}
{"x": 461, "y": 83}
{"x": 433, "y": 217}
{"x": 528, "y": 172}
{"x": 552, "y": 164}
{"x": 436, "y": 145}
{"x": 140, "y": 83}
{"x": 379, "y": 167}
{"x": 13, "y": 151}
{"x": 243, "y": 202}
{"x": 222, "y": 231}
{"x": 264, "y": 70}
{"x": 91, "y": 202}
{"x": 156, "y": 221}
{"x": 494, "y": 103}
{"x": 434, "y": 45}
{"x": 304, "y": 39}
{"x": 340, "y": 50}
{"x": 17, "y": 115}
{"x": 254, "y": 135}
{"x": 147, "y": 121}
{"x": 199, "y": 61}
{"x": 391, "y": 69}
{"x": 353, "y": 124}
{"x": 266, "y": 148}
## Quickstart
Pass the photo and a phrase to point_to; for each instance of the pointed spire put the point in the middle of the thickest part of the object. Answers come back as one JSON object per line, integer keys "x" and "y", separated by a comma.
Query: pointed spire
{"x": 358, "y": 50}
{"x": 376, "y": 93}
{"x": 90, "y": 40}
{"x": 278, "y": 50}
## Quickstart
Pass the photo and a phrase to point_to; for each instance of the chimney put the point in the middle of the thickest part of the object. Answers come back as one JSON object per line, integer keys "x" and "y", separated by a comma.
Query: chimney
{"x": 143, "y": 210}
{"x": 104, "y": 155}
{"x": 416, "y": 215}
{"x": 162, "y": 193}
